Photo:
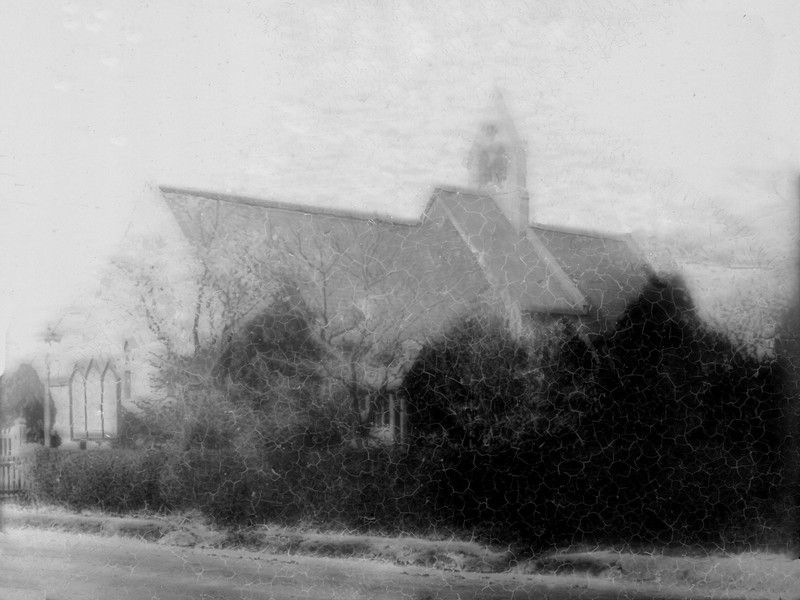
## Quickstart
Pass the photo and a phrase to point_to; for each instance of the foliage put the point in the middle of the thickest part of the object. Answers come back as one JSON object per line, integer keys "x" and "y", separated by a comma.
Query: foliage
{"x": 478, "y": 385}
{"x": 334, "y": 280}
{"x": 281, "y": 462}
{"x": 277, "y": 349}
{"x": 150, "y": 423}
{"x": 689, "y": 432}
{"x": 665, "y": 430}
{"x": 787, "y": 346}
{"x": 363, "y": 309}
{"x": 115, "y": 480}
{"x": 23, "y": 397}
{"x": 463, "y": 384}
{"x": 495, "y": 423}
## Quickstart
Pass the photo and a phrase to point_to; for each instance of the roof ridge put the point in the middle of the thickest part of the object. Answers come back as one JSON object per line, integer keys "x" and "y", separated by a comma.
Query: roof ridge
{"x": 446, "y": 187}
{"x": 436, "y": 191}
{"x": 620, "y": 237}
{"x": 288, "y": 206}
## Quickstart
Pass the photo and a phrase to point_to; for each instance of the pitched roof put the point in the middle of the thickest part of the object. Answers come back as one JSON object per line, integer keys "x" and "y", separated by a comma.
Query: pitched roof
{"x": 288, "y": 207}
{"x": 510, "y": 261}
{"x": 547, "y": 270}
{"x": 608, "y": 269}
{"x": 222, "y": 225}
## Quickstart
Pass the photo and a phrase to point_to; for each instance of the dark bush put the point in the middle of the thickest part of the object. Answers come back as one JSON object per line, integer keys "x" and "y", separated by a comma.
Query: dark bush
{"x": 152, "y": 424}
{"x": 289, "y": 477}
{"x": 243, "y": 462}
{"x": 23, "y": 397}
{"x": 495, "y": 422}
{"x": 116, "y": 480}
{"x": 664, "y": 432}
{"x": 277, "y": 344}
{"x": 689, "y": 430}
{"x": 225, "y": 485}
{"x": 462, "y": 385}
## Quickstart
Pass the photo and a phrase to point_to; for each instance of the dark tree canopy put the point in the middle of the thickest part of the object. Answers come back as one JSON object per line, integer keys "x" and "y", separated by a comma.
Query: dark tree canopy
{"x": 665, "y": 430}
{"x": 462, "y": 383}
{"x": 672, "y": 375}
{"x": 279, "y": 341}
{"x": 23, "y": 395}
{"x": 689, "y": 426}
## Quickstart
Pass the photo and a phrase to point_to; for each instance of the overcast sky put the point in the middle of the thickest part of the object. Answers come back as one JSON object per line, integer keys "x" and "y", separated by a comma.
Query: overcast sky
{"x": 674, "y": 120}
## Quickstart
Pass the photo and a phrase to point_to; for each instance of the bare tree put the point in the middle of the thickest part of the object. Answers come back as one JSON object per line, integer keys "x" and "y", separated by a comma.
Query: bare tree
{"x": 363, "y": 299}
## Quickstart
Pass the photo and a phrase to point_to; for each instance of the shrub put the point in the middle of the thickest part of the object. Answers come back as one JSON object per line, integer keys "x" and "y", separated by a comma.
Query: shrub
{"x": 241, "y": 464}
{"x": 495, "y": 423}
{"x": 278, "y": 344}
{"x": 225, "y": 485}
{"x": 688, "y": 433}
{"x": 151, "y": 424}
{"x": 663, "y": 432}
{"x": 115, "y": 480}
{"x": 463, "y": 383}
{"x": 360, "y": 488}
{"x": 22, "y": 396}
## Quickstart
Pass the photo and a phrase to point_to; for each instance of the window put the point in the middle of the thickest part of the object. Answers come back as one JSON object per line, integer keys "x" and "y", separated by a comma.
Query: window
{"x": 77, "y": 409}
{"x": 111, "y": 387}
{"x": 493, "y": 165}
{"x": 489, "y": 159}
{"x": 94, "y": 402}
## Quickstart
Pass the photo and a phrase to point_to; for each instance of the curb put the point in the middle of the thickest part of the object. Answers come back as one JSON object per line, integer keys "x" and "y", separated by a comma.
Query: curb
{"x": 146, "y": 529}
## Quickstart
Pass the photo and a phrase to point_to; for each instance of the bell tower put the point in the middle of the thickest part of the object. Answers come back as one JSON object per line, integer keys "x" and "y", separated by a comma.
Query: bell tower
{"x": 497, "y": 165}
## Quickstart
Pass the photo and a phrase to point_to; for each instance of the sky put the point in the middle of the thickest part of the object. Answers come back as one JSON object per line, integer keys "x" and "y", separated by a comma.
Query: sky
{"x": 676, "y": 121}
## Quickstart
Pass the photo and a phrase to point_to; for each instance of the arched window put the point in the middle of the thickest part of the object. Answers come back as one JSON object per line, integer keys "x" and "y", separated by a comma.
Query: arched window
{"x": 126, "y": 383}
{"x": 494, "y": 165}
{"x": 77, "y": 404}
{"x": 94, "y": 393}
{"x": 94, "y": 402}
{"x": 112, "y": 385}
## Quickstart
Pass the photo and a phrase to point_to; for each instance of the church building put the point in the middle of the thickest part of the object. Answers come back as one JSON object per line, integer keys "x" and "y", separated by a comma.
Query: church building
{"x": 473, "y": 243}
{"x": 383, "y": 285}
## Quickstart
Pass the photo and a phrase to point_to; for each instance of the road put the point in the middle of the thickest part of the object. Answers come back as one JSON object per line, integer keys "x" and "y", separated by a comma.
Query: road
{"x": 68, "y": 566}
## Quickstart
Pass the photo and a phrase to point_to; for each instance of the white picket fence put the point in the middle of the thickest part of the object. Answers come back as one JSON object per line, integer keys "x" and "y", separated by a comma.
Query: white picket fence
{"x": 12, "y": 474}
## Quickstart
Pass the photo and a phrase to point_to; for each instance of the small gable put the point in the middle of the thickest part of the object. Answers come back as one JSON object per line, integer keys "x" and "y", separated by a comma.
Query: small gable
{"x": 607, "y": 269}
{"x": 510, "y": 262}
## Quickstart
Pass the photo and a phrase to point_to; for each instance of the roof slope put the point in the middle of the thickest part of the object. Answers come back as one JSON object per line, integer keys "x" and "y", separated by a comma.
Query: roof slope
{"x": 272, "y": 237}
{"x": 287, "y": 207}
{"x": 437, "y": 255}
{"x": 510, "y": 261}
{"x": 607, "y": 269}
{"x": 461, "y": 249}
{"x": 422, "y": 274}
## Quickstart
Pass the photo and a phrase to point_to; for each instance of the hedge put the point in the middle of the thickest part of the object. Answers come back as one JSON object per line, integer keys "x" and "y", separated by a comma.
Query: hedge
{"x": 114, "y": 480}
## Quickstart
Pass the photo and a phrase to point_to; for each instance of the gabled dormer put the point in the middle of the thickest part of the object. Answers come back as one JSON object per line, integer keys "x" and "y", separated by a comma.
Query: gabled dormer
{"x": 498, "y": 165}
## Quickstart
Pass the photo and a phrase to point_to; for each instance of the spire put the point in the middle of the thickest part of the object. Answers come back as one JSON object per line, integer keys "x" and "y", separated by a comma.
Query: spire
{"x": 498, "y": 165}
